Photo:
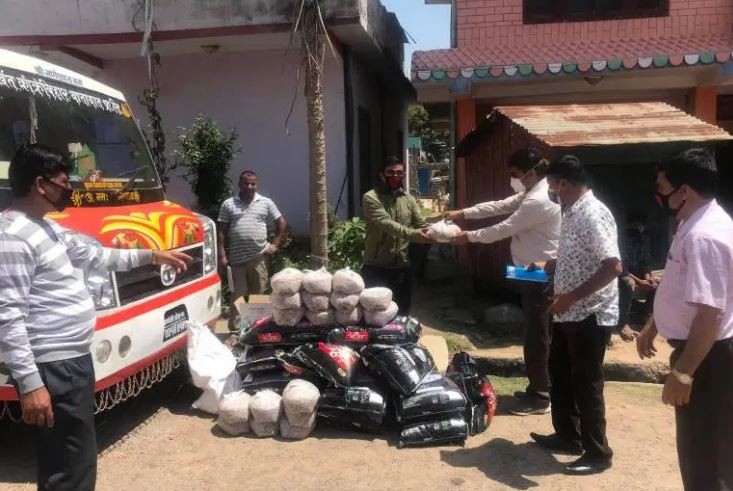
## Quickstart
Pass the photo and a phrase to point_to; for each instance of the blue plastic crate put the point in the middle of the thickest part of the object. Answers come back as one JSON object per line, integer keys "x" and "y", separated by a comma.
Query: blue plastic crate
{"x": 521, "y": 274}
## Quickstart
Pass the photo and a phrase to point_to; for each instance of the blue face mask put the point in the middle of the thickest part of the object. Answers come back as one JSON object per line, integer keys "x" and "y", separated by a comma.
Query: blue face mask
{"x": 554, "y": 197}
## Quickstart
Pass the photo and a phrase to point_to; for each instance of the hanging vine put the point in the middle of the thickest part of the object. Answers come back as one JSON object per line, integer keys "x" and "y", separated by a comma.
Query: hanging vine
{"x": 155, "y": 136}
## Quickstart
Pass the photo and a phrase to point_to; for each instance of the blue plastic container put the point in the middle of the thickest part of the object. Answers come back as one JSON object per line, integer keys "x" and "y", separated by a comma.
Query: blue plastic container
{"x": 521, "y": 274}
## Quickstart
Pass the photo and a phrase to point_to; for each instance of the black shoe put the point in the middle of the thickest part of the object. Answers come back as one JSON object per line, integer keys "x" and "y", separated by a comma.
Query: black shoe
{"x": 524, "y": 395}
{"x": 556, "y": 443}
{"x": 586, "y": 466}
{"x": 531, "y": 407}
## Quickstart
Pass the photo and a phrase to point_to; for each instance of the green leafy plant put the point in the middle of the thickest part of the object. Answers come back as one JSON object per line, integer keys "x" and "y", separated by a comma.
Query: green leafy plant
{"x": 346, "y": 241}
{"x": 206, "y": 154}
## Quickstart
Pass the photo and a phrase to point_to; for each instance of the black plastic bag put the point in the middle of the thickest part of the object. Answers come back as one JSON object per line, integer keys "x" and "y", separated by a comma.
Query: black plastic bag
{"x": 402, "y": 367}
{"x": 453, "y": 430}
{"x": 353, "y": 408}
{"x": 402, "y": 330}
{"x": 355, "y": 337}
{"x": 481, "y": 398}
{"x": 437, "y": 398}
{"x": 260, "y": 360}
{"x": 335, "y": 363}
{"x": 265, "y": 332}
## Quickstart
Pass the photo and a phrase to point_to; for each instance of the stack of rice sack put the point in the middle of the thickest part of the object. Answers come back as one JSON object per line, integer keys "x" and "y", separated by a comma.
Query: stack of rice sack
{"x": 287, "y": 307}
{"x": 378, "y": 306}
{"x": 267, "y": 414}
{"x": 316, "y": 296}
{"x": 347, "y": 288}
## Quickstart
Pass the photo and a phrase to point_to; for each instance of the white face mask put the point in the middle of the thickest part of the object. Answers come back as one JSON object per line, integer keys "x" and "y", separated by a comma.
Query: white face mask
{"x": 517, "y": 185}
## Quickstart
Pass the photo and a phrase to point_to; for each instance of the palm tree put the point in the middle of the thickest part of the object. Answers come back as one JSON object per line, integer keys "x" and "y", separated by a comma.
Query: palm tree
{"x": 309, "y": 23}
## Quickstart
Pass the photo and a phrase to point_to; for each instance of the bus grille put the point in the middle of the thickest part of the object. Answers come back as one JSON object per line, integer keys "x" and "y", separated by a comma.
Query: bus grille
{"x": 145, "y": 281}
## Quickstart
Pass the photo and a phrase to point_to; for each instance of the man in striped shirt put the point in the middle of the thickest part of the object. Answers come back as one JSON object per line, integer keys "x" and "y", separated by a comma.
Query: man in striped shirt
{"x": 243, "y": 226}
{"x": 47, "y": 316}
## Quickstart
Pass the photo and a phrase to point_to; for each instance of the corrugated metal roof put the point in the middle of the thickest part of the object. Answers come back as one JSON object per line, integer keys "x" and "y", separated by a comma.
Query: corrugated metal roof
{"x": 574, "y": 125}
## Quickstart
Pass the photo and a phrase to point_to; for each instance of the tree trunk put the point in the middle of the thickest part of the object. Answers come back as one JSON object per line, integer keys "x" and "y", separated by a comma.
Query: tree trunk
{"x": 315, "y": 48}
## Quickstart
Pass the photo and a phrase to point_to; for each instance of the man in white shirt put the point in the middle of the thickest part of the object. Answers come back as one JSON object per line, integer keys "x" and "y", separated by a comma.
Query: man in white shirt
{"x": 693, "y": 310}
{"x": 585, "y": 311}
{"x": 534, "y": 227}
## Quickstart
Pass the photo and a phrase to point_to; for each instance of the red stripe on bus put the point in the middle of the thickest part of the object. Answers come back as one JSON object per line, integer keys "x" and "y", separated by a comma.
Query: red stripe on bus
{"x": 154, "y": 303}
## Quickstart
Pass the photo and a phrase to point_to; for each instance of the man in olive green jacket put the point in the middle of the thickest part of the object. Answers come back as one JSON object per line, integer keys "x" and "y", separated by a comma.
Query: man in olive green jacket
{"x": 393, "y": 220}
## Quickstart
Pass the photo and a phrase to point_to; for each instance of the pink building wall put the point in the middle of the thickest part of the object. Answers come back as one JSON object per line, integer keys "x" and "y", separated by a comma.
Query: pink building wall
{"x": 487, "y": 23}
{"x": 252, "y": 92}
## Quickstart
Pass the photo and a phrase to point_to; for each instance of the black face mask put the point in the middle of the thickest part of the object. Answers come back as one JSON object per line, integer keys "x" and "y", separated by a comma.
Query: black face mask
{"x": 663, "y": 201}
{"x": 64, "y": 199}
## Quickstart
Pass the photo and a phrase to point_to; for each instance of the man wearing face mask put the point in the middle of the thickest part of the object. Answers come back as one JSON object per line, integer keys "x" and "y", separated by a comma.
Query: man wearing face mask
{"x": 585, "y": 311}
{"x": 393, "y": 220}
{"x": 47, "y": 316}
{"x": 693, "y": 310}
{"x": 534, "y": 228}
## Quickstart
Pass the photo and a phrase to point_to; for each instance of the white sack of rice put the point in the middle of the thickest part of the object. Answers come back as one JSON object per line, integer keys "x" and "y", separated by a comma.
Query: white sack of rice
{"x": 287, "y": 317}
{"x": 265, "y": 407}
{"x": 234, "y": 413}
{"x": 290, "y": 432}
{"x": 344, "y": 302}
{"x": 377, "y": 298}
{"x": 379, "y": 318}
{"x": 285, "y": 301}
{"x": 317, "y": 282}
{"x": 321, "y": 318}
{"x": 443, "y": 231}
{"x": 347, "y": 282}
{"x": 287, "y": 282}
{"x": 300, "y": 400}
{"x": 349, "y": 318}
{"x": 264, "y": 430}
{"x": 315, "y": 302}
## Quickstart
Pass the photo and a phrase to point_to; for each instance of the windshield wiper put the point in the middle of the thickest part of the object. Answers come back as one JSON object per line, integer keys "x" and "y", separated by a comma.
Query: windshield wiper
{"x": 131, "y": 183}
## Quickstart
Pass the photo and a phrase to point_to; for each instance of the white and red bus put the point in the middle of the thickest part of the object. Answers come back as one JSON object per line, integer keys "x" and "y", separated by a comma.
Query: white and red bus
{"x": 118, "y": 201}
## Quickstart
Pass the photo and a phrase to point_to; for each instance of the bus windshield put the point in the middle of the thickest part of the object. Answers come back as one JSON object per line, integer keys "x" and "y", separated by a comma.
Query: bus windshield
{"x": 98, "y": 133}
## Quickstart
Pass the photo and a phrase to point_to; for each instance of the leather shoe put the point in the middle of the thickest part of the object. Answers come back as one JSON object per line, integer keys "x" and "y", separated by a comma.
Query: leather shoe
{"x": 586, "y": 466}
{"x": 556, "y": 443}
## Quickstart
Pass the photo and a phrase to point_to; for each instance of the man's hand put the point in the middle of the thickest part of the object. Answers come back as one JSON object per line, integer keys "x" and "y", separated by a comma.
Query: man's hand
{"x": 176, "y": 259}
{"x": 37, "y": 409}
{"x": 645, "y": 342}
{"x": 536, "y": 266}
{"x": 675, "y": 393}
{"x": 646, "y": 285}
{"x": 425, "y": 238}
{"x": 223, "y": 261}
{"x": 453, "y": 215}
{"x": 562, "y": 304}
{"x": 461, "y": 239}
{"x": 270, "y": 249}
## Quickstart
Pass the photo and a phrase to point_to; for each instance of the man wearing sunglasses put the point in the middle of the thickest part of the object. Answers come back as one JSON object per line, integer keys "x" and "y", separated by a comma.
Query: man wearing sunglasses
{"x": 393, "y": 220}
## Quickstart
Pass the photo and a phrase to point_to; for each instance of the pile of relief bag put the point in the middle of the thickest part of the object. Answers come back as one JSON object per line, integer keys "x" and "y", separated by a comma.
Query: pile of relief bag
{"x": 337, "y": 353}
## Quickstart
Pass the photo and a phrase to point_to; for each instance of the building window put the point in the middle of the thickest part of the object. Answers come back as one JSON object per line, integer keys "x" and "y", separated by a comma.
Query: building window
{"x": 544, "y": 11}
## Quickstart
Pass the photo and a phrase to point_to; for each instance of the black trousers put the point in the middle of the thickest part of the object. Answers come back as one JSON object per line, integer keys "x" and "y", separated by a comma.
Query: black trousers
{"x": 536, "y": 298}
{"x": 705, "y": 425}
{"x": 67, "y": 453}
{"x": 397, "y": 280}
{"x": 576, "y": 372}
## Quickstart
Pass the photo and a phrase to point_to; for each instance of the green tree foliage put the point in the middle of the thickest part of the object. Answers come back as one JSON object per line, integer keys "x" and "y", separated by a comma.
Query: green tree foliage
{"x": 205, "y": 154}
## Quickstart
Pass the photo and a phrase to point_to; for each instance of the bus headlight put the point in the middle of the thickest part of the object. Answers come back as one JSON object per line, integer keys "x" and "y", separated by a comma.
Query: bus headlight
{"x": 209, "y": 245}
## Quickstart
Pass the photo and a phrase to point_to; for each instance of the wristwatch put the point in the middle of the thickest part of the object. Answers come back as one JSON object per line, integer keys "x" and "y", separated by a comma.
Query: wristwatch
{"x": 682, "y": 378}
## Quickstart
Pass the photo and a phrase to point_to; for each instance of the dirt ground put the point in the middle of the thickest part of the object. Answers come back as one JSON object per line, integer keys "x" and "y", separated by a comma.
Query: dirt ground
{"x": 157, "y": 443}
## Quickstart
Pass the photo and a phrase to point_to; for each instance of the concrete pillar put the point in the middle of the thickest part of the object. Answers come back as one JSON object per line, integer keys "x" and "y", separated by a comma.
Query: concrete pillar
{"x": 705, "y": 104}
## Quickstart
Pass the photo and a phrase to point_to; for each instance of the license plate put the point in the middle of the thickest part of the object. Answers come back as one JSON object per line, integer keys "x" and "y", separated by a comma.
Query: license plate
{"x": 174, "y": 322}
